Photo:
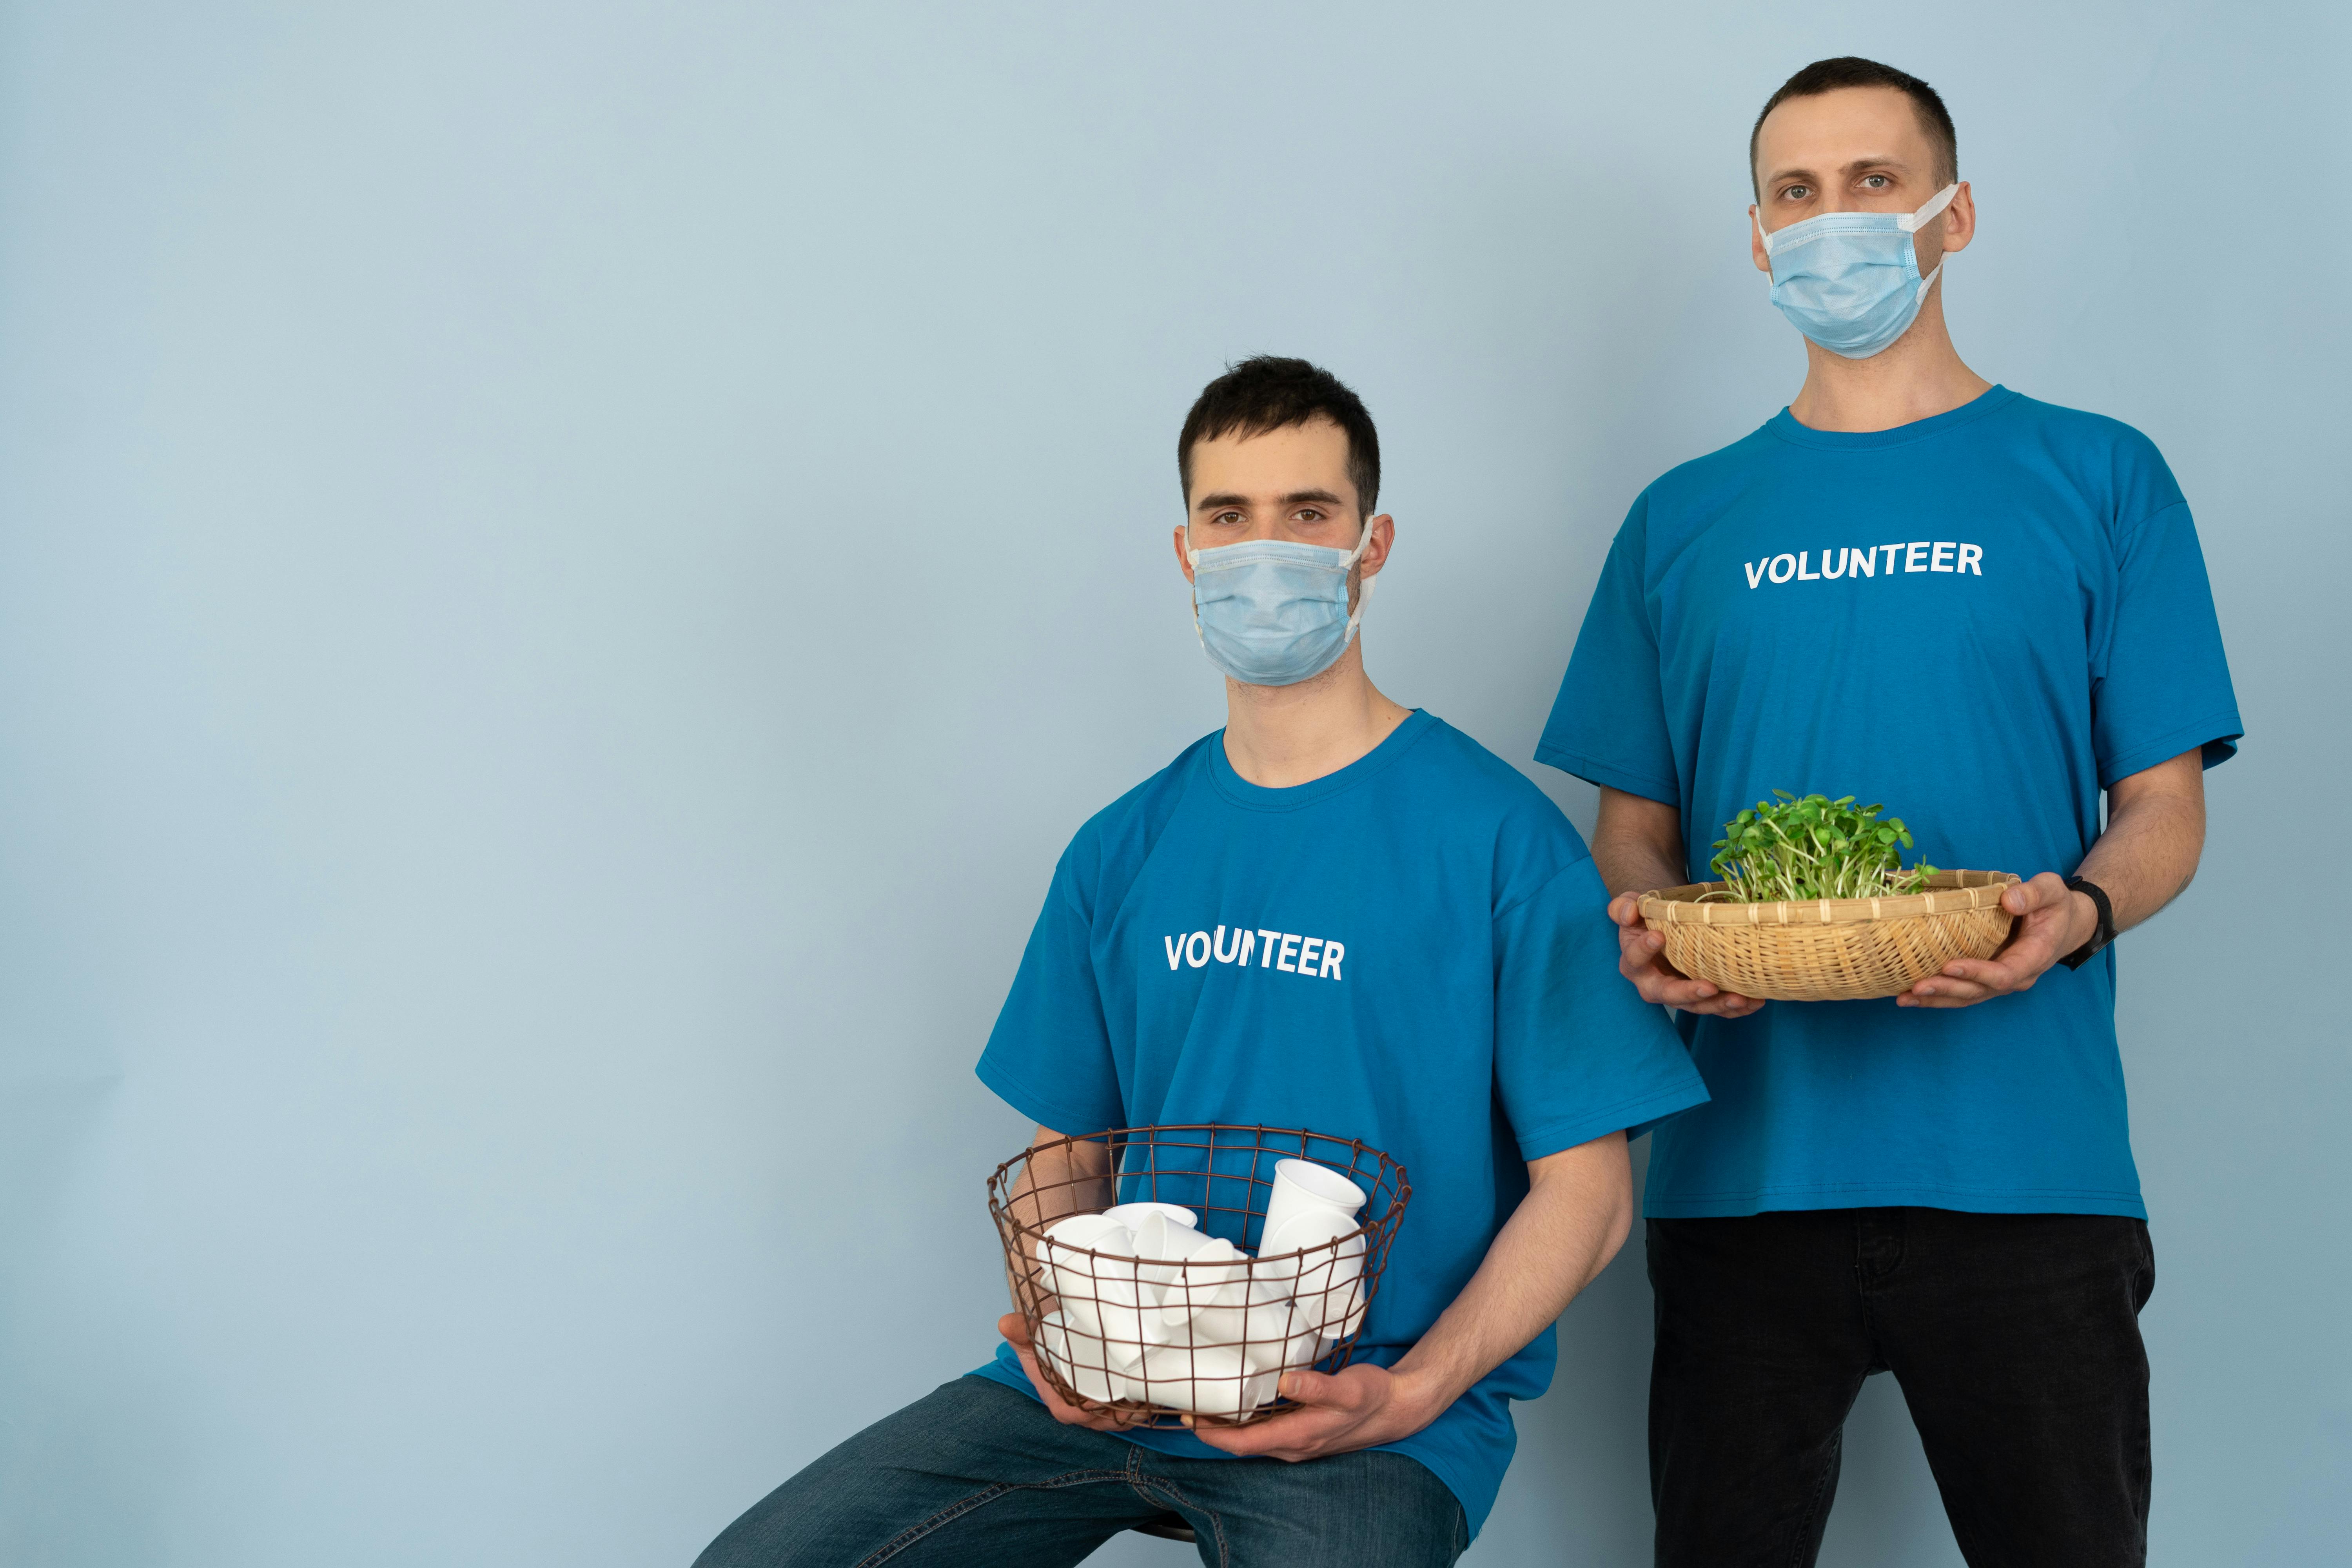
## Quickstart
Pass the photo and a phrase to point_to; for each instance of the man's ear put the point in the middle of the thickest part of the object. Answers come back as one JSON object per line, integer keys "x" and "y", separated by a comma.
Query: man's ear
{"x": 1756, "y": 251}
{"x": 1376, "y": 553}
{"x": 1959, "y": 220}
{"x": 1183, "y": 551}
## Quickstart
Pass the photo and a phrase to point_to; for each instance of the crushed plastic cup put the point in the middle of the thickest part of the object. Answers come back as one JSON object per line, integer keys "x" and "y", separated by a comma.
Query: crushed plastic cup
{"x": 1216, "y": 1380}
{"x": 1132, "y": 1215}
{"x": 1216, "y": 1276}
{"x": 1162, "y": 1245}
{"x": 1082, "y": 1360}
{"x": 1320, "y": 1258}
{"x": 1072, "y": 1232}
{"x": 1302, "y": 1186}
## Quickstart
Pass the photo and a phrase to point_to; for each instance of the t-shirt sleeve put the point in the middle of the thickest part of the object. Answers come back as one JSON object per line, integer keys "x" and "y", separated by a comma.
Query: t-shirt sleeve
{"x": 1609, "y": 723}
{"x": 1049, "y": 1057}
{"x": 2160, "y": 685}
{"x": 1577, "y": 1053}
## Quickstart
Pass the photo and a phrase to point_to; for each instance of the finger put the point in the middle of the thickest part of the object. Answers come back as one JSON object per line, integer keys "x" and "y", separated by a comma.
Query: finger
{"x": 2040, "y": 892}
{"x": 1014, "y": 1329}
{"x": 1950, "y": 992}
{"x": 1292, "y": 1435}
{"x": 1625, "y": 909}
{"x": 1984, "y": 973}
{"x": 1658, "y": 982}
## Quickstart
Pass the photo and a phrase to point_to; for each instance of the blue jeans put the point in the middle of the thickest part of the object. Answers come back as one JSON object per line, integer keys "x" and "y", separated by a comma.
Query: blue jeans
{"x": 978, "y": 1476}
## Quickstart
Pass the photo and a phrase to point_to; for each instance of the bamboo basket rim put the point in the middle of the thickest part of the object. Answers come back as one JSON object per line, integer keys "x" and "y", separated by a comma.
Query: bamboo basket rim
{"x": 1950, "y": 893}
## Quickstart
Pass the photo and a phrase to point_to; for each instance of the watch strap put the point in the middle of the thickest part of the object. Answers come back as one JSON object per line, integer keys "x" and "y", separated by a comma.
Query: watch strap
{"x": 2106, "y": 933}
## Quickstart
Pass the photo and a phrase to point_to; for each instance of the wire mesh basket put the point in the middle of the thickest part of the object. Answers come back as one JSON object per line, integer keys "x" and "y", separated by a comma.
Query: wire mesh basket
{"x": 1140, "y": 1259}
{"x": 1831, "y": 950}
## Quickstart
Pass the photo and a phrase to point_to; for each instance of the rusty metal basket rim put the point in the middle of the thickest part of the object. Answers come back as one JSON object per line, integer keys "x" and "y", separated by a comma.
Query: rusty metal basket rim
{"x": 995, "y": 1179}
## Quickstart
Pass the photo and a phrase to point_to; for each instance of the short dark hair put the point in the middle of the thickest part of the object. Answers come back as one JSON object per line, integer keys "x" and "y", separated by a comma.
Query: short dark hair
{"x": 1268, "y": 392}
{"x": 1852, "y": 70}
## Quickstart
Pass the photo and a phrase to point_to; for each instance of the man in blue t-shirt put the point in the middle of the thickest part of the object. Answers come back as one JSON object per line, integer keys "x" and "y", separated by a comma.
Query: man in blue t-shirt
{"x": 1915, "y": 587}
{"x": 1337, "y": 914}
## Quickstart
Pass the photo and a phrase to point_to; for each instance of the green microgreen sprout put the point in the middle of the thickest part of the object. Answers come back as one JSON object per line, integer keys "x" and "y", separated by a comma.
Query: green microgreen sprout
{"x": 1814, "y": 848}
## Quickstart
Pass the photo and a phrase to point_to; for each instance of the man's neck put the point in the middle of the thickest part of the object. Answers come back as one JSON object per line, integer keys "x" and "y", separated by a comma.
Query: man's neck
{"x": 1279, "y": 736}
{"x": 1917, "y": 377}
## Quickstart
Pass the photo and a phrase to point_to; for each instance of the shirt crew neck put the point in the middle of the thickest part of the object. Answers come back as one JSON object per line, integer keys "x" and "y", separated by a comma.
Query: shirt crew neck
{"x": 1787, "y": 427}
{"x": 1258, "y": 797}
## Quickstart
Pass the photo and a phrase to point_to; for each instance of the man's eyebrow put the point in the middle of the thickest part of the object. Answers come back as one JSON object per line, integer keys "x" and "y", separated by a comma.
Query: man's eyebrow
{"x": 1300, "y": 497}
{"x": 1219, "y": 501}
{"x": 1853, "y": 166}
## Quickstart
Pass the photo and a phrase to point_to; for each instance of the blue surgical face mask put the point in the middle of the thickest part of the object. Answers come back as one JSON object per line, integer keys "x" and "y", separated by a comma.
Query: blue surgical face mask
{"x": 1272, "y": 613}
{"x": 1851, "y": 282}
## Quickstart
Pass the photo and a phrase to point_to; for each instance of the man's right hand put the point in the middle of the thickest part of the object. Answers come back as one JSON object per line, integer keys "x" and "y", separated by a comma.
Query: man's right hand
{"x": 1639, "y": 960}
{"x": 1015, "y": 1330}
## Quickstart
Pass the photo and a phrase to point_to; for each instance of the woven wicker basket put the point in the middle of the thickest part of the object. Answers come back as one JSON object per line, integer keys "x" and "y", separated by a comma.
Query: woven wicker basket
{"x": 1831, "y": 950}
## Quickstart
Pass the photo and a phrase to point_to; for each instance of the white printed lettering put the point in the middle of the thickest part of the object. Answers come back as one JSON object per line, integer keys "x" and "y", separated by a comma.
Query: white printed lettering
{"x": 1307, "y": 951}
{"x": 1891, "y": 551}
{"x": 1755, "y": 572}
{"x": 1223, "y": 956}
{"x": 1248, "y": 942}
{"x": 1940, "y": 559}
{"x": 1865, "y": 562}
{"x": 1203, "y": 938}
{"x": 1289, "y": 952}
{"x": 1175, "y": 951}
{"x": 1972, "y": 558}
{"x": 1841, "y": 564}
{"x": 1803, "y": 575}
{"x": 1333, "y": 952}
{"x": 1776, "y": 574}
{"x": 1913, "y": 553}
{"x": 1269, "y": 937}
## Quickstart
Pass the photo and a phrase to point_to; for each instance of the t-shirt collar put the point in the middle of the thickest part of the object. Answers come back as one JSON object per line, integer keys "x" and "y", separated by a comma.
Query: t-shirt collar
{"x": 1784, "y": 426}
{"x": 1257, "y": 797}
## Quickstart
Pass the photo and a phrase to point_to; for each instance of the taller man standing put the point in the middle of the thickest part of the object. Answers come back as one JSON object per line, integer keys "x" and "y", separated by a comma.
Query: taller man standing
{"x": 1917, "y": 588}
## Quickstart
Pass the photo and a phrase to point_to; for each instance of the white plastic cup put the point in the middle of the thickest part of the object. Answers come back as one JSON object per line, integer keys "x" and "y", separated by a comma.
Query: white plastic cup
{"x": 1215, "y": 1276}
{"x": 1071, "y": 1231}
{"x": 1161, "y": 1245}
{"x": 1325, "y": 1281}
{"x": 1215, "y": 1382}
{"x": 1132, "y": 1215}
{"x": 1302, "y": 1186}
{"x": 1263, "y": 1318}
{"x": 1080, "y": 1359}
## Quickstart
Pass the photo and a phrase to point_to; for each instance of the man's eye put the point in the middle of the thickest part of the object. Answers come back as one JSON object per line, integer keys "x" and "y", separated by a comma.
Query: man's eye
{"x": 1876, "y": 182}
{"x": 1310, "y": 515}
{"x": 1798, "y": 192}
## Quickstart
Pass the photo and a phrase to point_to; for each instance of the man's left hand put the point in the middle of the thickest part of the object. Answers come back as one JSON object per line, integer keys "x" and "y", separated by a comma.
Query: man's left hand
{"x": 1358, "y": 1406}
{"x": 2051, "y": 921}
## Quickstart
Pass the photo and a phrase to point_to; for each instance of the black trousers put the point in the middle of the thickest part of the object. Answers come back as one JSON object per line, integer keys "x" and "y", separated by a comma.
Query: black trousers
{"x": 2015, "y": 1339}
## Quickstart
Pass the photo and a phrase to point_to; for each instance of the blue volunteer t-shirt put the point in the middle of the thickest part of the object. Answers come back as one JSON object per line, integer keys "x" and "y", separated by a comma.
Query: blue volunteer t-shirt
{"x": 1413, "y": 951}
{"x": 1980, "y": 619}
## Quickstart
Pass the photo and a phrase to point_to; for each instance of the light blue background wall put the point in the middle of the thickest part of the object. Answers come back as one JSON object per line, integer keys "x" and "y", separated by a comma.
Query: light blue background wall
{"x": 566, "y": 570}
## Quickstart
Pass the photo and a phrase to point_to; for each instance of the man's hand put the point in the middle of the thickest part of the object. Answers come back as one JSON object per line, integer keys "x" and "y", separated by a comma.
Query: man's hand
{"x": 1638, "y": 960}
{"x": 2051, "y": 921}
{"x": 1015, "y": 1330}
{"x": 1358, "y": 1407}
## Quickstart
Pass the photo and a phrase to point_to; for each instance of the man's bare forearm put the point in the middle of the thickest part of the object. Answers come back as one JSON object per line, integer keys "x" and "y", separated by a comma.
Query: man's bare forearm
{"x": 1575, "y": 1217}
{"x": 2155, "y": 834}
{"x": 1637, "y": 844}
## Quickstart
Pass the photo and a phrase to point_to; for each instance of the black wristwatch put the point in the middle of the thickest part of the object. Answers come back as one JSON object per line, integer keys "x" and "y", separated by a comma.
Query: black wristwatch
{"x": 2099, "y": 938}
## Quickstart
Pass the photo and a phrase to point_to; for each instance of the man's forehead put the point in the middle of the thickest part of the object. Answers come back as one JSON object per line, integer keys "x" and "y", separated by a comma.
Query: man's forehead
{"x": 1847, "y": 125}
{"x": 1317, "y": 450}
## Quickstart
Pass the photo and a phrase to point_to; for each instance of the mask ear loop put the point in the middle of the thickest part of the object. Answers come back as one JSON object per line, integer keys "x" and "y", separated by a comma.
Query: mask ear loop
{"x": 1913, "y": 223}
{"x": 1363, "y": 584}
